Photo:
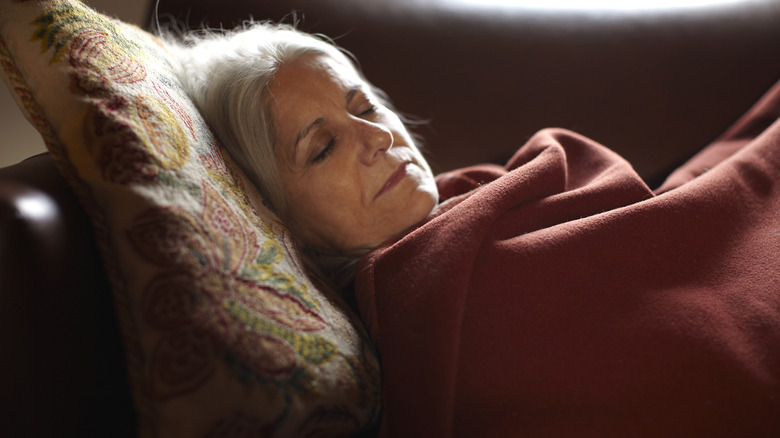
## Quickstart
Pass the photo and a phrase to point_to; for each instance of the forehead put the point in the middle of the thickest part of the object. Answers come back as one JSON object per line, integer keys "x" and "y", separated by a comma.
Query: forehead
{"x": 307, "y": 89}
{"x": 309, "y": 84}
{"x": 310, "y": 74}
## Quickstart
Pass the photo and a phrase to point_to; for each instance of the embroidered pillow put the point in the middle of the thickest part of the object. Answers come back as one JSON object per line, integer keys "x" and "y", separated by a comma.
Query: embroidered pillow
{"x": 224, "y": 334}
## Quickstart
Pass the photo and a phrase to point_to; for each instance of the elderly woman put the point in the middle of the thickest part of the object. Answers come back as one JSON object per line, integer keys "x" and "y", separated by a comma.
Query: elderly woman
{"x": 324, "y": 146}
{"x": 557, "y": 295}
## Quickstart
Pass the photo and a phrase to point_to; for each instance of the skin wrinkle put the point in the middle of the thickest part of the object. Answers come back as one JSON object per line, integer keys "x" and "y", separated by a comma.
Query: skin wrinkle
{"x": 338, "y": 146}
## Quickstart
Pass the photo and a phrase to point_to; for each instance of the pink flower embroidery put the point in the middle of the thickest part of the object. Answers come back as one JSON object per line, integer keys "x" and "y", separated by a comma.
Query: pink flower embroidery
{"x": 216, "y": 295}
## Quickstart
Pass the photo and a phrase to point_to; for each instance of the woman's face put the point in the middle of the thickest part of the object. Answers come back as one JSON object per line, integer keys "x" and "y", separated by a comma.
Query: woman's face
{"x": 350, "y": 170}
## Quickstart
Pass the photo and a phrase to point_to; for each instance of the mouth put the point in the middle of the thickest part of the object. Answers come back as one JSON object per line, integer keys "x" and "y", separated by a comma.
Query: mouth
{"x": 393, "y": 180}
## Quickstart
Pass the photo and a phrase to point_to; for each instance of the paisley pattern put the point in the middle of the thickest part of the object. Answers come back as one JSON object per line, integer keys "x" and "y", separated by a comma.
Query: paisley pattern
{"x": 93, "y": 51}
{"x": 226, "y": 289}
{"x": 225, "y": 335}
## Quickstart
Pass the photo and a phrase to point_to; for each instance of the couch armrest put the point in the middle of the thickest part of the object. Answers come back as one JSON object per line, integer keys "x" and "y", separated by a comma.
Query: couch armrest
{"x": 63, "y": 363}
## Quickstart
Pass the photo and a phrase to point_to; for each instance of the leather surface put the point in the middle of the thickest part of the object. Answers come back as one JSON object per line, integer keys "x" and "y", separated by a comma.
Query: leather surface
{"x": 654, "y": 85}
{"x": 63, "y": 363}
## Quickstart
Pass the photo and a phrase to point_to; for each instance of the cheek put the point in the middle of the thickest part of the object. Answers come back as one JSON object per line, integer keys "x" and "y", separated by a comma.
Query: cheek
{"x": 391, "y": 121}
{"x": 320, "y": 206}
{"x": 426, "y": 195}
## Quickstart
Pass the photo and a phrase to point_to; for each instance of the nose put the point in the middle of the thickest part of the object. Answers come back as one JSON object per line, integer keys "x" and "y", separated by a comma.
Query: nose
{"x": 377, "y": 139}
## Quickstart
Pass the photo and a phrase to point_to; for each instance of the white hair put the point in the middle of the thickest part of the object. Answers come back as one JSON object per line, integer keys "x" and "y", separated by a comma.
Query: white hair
{"x": 227, "y": 74}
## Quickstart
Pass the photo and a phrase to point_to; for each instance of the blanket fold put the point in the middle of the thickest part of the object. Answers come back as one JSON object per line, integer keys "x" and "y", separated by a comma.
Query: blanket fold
{"x": 560, "y": 296}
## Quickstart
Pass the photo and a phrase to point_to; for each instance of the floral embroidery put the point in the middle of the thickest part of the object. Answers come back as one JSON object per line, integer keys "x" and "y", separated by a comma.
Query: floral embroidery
{"x": 167, "y": 142}
{"x": 102, "y": 56}
{"x": 65, "y": 21}
{"x": 212, "y": 294}
{"x": 124, "y": 156}
{"x": 263, "y": 326}
{"x": 92, "y": 51}
{"x": 174, "y": 104}
{"x": 116, "y": 145}
{"x": 221, "y": 168}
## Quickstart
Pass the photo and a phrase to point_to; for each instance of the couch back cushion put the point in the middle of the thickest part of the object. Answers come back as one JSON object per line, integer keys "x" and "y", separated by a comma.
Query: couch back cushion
{"x": 655, "y": 84}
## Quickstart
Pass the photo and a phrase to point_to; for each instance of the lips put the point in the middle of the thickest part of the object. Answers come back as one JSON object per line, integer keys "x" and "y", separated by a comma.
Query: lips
{"x": 393, "y": 180}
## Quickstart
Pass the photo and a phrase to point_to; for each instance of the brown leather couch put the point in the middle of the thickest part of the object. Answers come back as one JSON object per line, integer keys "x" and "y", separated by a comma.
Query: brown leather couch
{"x": 654, "y": 85}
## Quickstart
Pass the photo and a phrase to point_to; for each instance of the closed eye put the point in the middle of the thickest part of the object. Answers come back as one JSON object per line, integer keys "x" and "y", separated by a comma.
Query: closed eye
{"x": 325, "y": 151}
{"x": 360, "y": 102}
{"x": 371, "y": 110}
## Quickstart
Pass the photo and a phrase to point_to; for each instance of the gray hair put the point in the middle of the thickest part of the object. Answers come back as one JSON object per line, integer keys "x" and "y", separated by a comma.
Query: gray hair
{"x": 227, "y": 74}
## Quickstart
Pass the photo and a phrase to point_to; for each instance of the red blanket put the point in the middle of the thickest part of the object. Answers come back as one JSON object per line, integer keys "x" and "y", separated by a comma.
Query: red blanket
{"x": 559, "y": 296}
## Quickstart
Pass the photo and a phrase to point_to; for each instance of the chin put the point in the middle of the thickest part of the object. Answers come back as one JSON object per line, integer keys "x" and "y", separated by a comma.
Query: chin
{"x": 425, "y": 202}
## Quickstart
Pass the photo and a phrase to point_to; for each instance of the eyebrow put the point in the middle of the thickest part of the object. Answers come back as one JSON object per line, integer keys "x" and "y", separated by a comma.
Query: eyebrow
{"x": 305, "y": 131}
{"x": 351, "y": 94}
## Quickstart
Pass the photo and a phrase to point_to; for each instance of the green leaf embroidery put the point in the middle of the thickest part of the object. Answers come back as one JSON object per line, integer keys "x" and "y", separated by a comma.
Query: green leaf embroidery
{"x": 57, "y": 27}
{"x": 313, "y": 349}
